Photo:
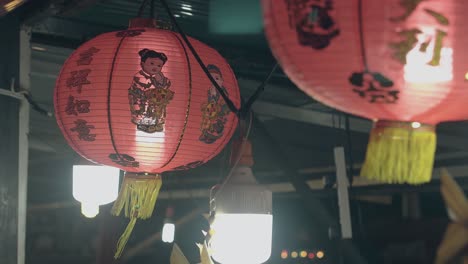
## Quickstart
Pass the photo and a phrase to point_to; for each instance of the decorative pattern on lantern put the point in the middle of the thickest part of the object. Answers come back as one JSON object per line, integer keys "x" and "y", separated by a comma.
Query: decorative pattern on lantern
{"x": 149, "y": 93}
{"x": 137, "y": 100}
{"x": 214, "y": 111}
{"x": 394, "y": 62}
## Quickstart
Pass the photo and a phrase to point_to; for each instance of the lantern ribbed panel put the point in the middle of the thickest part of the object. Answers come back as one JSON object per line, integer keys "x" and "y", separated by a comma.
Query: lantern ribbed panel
{"x": 110, "y": 133}
{"x": 425, "y": 94}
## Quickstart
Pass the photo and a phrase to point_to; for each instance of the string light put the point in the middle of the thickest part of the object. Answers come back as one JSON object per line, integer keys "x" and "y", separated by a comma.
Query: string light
{"x": 320, "y": 254}
{"x": 284, "y": 254}
{"x": 294, "y": 254}
{"x": 303, "y": 254}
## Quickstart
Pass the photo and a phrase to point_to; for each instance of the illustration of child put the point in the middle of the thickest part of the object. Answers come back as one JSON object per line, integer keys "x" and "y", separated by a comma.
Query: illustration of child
{"x": 214, "y": 111}
{"x": 149, "y": 93}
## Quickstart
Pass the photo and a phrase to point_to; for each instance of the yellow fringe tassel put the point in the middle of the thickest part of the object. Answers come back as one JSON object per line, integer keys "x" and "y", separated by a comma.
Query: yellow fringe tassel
{"x": 137, "y": 199}
{"x": 400, "y": 152}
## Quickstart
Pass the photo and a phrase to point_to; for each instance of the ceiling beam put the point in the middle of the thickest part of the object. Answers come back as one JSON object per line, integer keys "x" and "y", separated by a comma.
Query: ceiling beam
{"x": 326, "y": 119}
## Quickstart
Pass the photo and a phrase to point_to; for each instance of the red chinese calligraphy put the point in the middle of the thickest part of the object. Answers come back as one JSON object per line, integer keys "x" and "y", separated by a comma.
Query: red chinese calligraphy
{"x": 84, "y": 130}
{"x": 86, "y": 57}
{"x": 77, "y": 106}
{"x": 78, "y": 79}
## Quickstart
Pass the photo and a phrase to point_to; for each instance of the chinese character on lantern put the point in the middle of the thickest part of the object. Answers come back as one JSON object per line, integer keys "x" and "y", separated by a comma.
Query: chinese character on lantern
{"x": 78, "y": 79}
{"x": 77, "y": 106}
{"x": 83, "y": 130}
{"x": 86, "y": 57}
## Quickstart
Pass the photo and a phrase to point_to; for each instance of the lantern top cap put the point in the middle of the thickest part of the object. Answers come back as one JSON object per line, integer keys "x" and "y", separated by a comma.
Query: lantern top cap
{"x": 140, "y": 22}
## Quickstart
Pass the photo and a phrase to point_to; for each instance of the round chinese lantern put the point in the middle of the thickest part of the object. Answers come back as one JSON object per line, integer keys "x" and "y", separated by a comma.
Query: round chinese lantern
{"x": 399, "y": 63}
{"x": 138, "y": 100}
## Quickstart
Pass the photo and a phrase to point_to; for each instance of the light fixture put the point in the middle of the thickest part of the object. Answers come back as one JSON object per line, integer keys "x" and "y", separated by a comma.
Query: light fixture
{"x": 241, "y": 231}
{"x": 94, "y": 185}
{"x": 38, "y": 48}
{"x": 303, "y": 254}
{"x": 187, "y": 7}
{"x": 284, "y": 254}
{"x": 294, "y": 254}
{"x": 168, "y": 231}
{"x": 186, "y": 13}
{"x": 320, "y": 254}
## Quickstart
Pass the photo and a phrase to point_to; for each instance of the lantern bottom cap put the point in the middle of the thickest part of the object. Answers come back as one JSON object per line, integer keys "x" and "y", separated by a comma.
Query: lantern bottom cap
{"x": 400, "y": 152}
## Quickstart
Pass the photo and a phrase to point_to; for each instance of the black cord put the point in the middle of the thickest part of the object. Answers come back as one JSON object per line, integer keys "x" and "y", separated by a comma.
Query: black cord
{"x": 36, "y": 106}
{"x": 142, "y": 7}
{"x": 228, "y": 101}
{"x": 246, "y": 107}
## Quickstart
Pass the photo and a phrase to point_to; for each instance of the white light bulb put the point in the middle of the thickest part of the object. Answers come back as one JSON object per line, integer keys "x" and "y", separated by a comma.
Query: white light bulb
{"x": 168, "y": 233}
{"x": 94, "y": 186}
{"x": 89, "y": 210}
{"x": 241, "y": 231}
{"x": 241, "y": 238}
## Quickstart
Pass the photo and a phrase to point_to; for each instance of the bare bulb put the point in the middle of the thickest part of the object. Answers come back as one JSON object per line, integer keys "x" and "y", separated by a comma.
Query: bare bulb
{"x": 89, "y": 210}
{"x": 168, "y": 233}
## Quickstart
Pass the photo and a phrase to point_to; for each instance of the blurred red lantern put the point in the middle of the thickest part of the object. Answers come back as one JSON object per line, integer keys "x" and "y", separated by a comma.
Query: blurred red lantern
{"x": 400, "y": 63}
{"x": 137, "y": 100}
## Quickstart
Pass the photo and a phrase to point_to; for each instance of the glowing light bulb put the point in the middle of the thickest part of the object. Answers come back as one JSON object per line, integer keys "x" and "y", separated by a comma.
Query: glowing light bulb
{"x": 303, "y": 254}
{"x": 94, "y": 186}
{"x": 311, "y": 255}
{"x": 89, "y": 210}
{"x": 256, "y": 248}
{"x": 168, "y": 233}
{"x": 284, "y": 254}
{"x": 243, "y": 224}
{"x": 320, "y": 254}
{"x": 294, "y": 254}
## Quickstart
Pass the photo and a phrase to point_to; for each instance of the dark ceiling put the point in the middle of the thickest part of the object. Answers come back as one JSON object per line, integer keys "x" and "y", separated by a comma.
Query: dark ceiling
{"x": 293, "y": 138}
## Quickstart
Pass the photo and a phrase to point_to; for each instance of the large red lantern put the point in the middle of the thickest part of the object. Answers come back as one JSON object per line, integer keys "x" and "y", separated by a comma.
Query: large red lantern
{"x": 400, "y": 63}
{"x": 138, "y": 100}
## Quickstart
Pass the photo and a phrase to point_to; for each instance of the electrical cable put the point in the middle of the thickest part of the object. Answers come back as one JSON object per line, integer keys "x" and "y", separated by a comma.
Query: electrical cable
{"x": 142, "y": 6}
{"x": 244, "y": 109}
{"x": 228, "y": 101}
{"x": 247, "y": 106}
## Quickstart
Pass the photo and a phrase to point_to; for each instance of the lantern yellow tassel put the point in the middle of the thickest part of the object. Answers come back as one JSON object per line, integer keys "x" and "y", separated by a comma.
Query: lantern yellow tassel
{"x": 137, "y": 198}
{"x": 400, "y": 152}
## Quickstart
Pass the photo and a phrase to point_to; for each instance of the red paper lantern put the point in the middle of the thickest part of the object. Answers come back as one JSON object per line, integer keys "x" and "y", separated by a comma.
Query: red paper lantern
{"x": 400, "y": 63}
{"x": 137, "y": 99}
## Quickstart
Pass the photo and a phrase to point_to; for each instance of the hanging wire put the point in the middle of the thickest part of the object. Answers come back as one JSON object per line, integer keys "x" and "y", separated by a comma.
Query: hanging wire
{"x": 245, "y": 109}
{"x": 247, "y": 106}
{"x": 244, "y": 136}
{"x": 142, "y": 8}
{"x": 228, "y": 101}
